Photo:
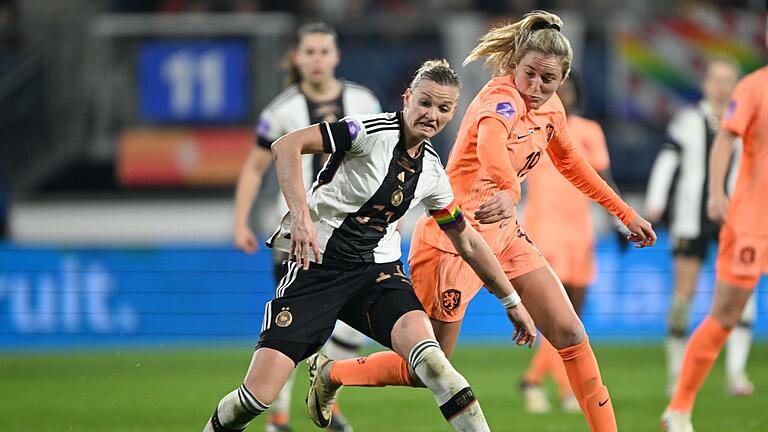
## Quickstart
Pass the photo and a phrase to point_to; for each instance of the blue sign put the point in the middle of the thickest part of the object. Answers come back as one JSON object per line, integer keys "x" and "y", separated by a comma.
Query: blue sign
{"x": 69, "y": 298}
{"x": 193, "y": 81}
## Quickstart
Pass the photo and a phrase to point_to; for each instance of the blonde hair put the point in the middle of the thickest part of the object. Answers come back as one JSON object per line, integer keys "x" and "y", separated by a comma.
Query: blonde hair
{"x": 503, "y": 47}
{"x": 437, "y": 71}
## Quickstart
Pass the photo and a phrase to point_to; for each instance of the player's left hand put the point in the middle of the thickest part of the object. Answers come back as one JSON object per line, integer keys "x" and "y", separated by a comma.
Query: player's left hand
{"x": 525, "y": 330}
{"x": 641, "y": 233}
{"x": 303, "y": 241}
{"x": 501, "y": 206}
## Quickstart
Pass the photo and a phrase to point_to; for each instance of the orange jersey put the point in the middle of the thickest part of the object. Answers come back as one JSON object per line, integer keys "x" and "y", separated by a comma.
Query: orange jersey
{"x": 747, "y": 116}
{"x": 552, "y": 201}
{"x": 480, "y": 170}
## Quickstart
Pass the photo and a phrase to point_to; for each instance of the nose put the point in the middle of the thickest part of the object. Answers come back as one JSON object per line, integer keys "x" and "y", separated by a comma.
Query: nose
{"x": 536, "y": 83}
{"x": 431, "y": 113}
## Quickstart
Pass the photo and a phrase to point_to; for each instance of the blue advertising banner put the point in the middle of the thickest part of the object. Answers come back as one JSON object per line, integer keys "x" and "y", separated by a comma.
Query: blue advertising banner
{"x": 182, "y": 81}
{"x": 71, "y": 298}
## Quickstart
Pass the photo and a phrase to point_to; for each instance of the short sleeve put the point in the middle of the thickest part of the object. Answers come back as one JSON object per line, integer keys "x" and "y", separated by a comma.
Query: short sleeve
{"x": 500, "y": 104}
{"x": 268, "y": 129}
{"x": 677, "y": 129}
{"x": 441, "y": 204}
{"x": 341, "y": 136}
{"x": 742, "y": 108}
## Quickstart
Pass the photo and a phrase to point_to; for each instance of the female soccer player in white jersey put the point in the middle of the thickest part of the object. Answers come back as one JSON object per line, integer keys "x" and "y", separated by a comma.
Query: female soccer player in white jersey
{"x": 315, "y": 95}
{"x": 345, "y": 255}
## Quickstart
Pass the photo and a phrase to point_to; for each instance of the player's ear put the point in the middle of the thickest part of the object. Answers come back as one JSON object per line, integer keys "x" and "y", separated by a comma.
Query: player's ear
{"x": 407, "y": 96}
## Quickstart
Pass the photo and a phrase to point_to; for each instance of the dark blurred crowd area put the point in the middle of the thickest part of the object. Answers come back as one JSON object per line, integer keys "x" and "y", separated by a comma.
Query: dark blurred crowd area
{"x": 357, "y": 8}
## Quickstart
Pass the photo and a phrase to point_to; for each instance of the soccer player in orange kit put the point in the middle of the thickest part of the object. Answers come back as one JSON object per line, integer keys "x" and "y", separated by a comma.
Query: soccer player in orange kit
{"x": 509, "y": 125}
{"x": 742, "y": 255}
{"x": 552, "y": 201}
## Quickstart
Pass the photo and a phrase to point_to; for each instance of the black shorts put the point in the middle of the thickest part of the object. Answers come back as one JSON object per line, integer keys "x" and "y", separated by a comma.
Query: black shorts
{"x": 307, "y": 303}
{"x": 695, "y": 247}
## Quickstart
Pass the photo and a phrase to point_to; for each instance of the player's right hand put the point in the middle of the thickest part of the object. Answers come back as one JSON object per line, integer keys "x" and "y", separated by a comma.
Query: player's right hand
{"x": 501, "y": 206}
{"x": 245, "y": 240}
{"x": 717, "y": 207}
{"x": 641, "y": 233}
{"x": 525, "y": 330}
{"x": 304, "y": 241}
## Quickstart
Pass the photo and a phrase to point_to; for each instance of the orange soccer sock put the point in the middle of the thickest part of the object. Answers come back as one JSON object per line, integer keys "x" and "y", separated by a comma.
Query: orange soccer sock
{"x": 703, "y": 348}
{"x": 279, "y": 418}
{"x": 376, "y": 370}
{"x": 541, "y": 363}
{"x": 560, "y": 375}
{"x": 587, "y": 384}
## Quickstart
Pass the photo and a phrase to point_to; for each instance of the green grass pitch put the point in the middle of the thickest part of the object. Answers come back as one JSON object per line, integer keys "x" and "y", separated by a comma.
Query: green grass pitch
{"x": 176, "y": 390}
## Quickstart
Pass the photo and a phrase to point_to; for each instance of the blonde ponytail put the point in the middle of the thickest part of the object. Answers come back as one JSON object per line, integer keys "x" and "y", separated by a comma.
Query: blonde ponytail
{"x": 503, "y": 47}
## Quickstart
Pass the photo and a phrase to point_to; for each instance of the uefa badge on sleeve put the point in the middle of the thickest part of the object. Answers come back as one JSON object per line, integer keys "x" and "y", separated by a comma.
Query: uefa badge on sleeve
{"x": 284, "y": 318}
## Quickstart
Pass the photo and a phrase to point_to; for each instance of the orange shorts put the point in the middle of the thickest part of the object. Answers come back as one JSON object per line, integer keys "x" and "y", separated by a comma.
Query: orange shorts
{"x": 573, "y": 261}
{"x": 445, "y": 283}
{"x": 741, "y": 257}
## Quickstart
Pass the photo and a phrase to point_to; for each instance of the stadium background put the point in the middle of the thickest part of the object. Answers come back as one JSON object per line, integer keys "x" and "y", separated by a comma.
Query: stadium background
{"x": 123, "y": 125}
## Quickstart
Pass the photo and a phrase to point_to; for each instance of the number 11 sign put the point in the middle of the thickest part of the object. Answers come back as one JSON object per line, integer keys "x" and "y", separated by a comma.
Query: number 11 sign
{"x": 195, "y": 82}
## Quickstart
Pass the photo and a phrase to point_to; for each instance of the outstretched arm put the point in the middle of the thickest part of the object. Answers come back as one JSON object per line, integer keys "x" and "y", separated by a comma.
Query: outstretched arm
{"x": 287, "y": 151}
{"x": 246, "y": 191}
{"x": 575, "y": 168}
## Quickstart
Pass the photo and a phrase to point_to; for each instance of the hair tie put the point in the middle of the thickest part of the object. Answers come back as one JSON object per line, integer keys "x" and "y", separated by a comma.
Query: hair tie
{"x": 540, "y": 25}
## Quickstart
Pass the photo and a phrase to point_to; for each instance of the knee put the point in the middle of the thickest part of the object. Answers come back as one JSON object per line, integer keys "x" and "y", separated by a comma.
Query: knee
{"x": 261, "y": 393}
{"x": 727, "y": 313}
{"x": 568, "y": 335}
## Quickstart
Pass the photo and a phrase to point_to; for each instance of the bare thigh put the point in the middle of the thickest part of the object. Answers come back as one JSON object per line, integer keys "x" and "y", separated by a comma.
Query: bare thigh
{"x": 267, "y": 373}
{"x": 547, "y": 302}
{"x": 447, "y": 334}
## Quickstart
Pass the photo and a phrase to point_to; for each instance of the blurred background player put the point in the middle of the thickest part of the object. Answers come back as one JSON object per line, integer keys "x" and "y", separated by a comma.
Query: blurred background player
{"x": 690, "y": 135}
{"x": 552, "y": 201}
{"x": 742, "y": 255}
{"x": 314, "y": 95}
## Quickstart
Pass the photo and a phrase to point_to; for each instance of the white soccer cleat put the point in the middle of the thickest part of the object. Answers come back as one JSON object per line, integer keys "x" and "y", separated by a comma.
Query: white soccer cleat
{"x": 676, "y": 421}
{"x": 738, "y": 385}
{"x": 570, "y": 404}
{"x": 322, "y": 394}
{"x": 535, "y": 399}
{"x": 339, "y": 423}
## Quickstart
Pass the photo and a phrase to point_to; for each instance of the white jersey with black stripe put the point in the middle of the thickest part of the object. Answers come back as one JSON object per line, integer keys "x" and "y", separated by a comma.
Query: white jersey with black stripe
{"x": 291, "y": 111}
{"x": 690, "y": 135}
{"x": 367, "y": 184}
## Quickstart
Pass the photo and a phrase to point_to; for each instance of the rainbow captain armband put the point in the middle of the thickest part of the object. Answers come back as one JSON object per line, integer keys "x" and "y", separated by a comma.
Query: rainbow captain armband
{"x": 449, "y": 217}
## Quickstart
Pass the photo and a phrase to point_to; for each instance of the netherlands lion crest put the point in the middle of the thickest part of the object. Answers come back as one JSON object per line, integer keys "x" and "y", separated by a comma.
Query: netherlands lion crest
{"x": 451, "y": 299}
{"x": 747, "y": 255}
{"x": 550, "y": 129}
